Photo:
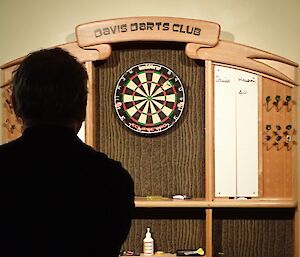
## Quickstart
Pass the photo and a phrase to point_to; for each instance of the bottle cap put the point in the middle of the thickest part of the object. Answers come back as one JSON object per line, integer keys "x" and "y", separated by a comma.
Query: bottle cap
{"x": 148, "y": 234}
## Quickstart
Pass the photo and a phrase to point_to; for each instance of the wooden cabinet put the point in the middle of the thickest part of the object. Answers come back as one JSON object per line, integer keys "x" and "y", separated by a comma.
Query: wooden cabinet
{"x": 233, "y": 149}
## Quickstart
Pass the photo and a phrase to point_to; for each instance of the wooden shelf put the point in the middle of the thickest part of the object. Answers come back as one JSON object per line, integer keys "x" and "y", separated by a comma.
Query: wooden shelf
{"x": 163, "y": 255}
{"x": 143, "y": 202}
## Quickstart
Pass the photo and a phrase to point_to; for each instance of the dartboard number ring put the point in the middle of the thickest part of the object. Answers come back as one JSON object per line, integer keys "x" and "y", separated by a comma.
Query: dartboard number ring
{"x": 149, "y": 98}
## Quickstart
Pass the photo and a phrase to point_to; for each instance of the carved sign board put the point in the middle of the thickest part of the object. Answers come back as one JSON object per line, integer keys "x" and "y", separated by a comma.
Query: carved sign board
{"x": 148, "y": 29}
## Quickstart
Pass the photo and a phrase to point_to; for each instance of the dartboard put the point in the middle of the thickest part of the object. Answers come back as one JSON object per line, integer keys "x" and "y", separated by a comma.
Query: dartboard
{"x": 149, "y": 98}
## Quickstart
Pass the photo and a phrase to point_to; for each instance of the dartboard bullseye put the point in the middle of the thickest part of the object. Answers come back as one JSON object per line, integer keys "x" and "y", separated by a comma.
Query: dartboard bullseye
{"x": 149, "y": 98}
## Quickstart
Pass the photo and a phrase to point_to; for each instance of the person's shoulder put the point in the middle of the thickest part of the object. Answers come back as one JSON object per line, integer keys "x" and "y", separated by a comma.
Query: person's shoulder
{"x": 114, "y": 167}
{"x": 100, "y": 159}
{"x": 9, "y": 153}
{"x": 10, "y": 147}
{"x": 94, "y": 155}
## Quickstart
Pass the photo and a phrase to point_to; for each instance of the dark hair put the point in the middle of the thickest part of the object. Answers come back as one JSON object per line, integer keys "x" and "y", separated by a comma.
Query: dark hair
{"x": 50, "y": 87}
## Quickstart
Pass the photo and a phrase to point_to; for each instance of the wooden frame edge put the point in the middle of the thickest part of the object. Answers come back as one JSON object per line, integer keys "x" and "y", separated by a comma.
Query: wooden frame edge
{"x": 245, "y": 57}
{"x": 209, "y": 232}
{"x": 209, "y": 131}
{"x": 90, "y": 109}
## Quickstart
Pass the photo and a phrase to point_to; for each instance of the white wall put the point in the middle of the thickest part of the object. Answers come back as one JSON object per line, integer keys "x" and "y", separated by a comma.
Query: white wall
{"x": 271, "y": 25}
{"x": 26, "y": 25}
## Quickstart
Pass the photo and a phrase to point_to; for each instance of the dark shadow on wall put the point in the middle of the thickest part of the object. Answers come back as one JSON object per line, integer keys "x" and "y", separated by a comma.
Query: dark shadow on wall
{"x": 226, "y": 36}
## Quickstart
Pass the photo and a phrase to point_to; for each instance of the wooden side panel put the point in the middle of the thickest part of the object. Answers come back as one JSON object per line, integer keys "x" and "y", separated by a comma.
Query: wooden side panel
{"x": 11, "y": 125}
{"x": 279, "y": 132}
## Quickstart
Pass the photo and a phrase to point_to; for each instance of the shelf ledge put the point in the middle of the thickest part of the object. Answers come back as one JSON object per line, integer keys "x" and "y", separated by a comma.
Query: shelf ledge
{"x": 142, "y": 202}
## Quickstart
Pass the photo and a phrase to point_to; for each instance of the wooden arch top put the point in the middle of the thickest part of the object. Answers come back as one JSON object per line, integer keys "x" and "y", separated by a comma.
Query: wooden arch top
{"x": 94, "y": 40}
{"x": 148, "y": 28}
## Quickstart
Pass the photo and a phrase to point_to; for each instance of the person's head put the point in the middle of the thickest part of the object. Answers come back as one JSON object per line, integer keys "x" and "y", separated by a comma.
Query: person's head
{"x": 50, "y": 87}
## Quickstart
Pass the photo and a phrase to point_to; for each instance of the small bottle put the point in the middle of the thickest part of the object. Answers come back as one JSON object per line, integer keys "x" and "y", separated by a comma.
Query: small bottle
{"x": 148, "y": 244}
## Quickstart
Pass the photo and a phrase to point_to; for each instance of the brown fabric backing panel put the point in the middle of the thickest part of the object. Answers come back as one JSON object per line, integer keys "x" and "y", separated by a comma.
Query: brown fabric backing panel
{"x": 171, "y": 229}
{"x": 167, "y": 164}
{"x": 253, "y": 232}
{"x": 171, "y": 163}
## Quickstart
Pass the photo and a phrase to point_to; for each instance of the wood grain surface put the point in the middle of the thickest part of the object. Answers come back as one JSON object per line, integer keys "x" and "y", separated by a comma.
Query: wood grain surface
{"x": 278, "y": 160}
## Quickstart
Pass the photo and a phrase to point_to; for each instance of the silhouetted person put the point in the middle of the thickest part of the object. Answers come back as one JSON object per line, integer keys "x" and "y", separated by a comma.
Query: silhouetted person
{"x": 58, "y": 196}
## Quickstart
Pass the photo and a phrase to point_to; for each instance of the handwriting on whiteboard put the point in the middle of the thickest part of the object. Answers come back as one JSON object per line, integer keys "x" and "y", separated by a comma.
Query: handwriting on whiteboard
{"x": 246, "y": 80}
{"x": 240, "y": 79}
{"x": 242, "y": 92}
{"x": 223, "y": 80}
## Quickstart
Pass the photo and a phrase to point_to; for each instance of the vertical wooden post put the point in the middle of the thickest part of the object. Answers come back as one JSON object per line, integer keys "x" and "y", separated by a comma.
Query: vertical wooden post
{"x": 295, "y": 171}
{"x": 260, "y": 137}
{"x": 209, "y": 150}
{"x": 296, "y": 233}
{"x": 90, "y": 109}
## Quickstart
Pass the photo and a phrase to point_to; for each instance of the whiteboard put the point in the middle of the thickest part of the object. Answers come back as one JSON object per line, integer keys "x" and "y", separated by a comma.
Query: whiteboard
{"x": 236, "y": 133}
{"x": 225, "y": 133}
{"x": 247, "y": 134}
